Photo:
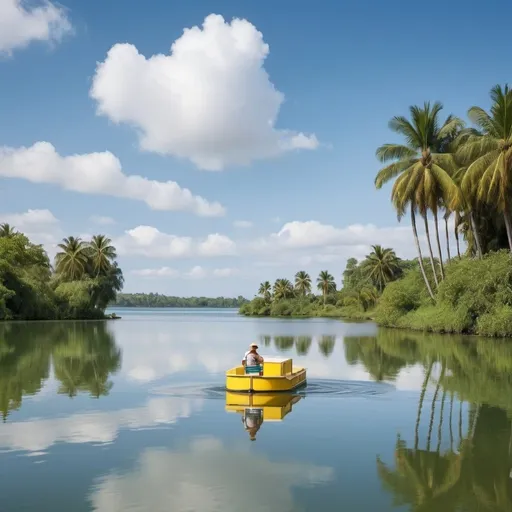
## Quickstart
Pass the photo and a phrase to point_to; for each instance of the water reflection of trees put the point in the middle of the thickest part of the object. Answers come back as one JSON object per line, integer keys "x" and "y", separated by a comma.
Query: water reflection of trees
{"x": 470, "y": 404}
{"x": 83, "y": 356}
{"x": 302, "y": 344}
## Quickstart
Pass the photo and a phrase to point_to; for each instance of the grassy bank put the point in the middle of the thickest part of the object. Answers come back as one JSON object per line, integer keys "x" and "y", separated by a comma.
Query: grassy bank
{"x": 474, "y": 298}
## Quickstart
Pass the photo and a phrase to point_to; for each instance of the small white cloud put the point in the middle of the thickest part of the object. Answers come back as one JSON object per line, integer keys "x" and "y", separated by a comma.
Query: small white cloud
{"x": 196, "y": 272}
{"x": 102, "y": 221}
{"x": 210, "y": 100}
{"x": 157, "y": 272}
{"x": 217, "y": 245}
{"x": 244, "y": 224}
{"x": 40, "y": 226}
{"x": 225, "y": 272}
{"x": 148, "y": 241}
{"x": 99, "y": 173}
{"x": 19, "y": 25}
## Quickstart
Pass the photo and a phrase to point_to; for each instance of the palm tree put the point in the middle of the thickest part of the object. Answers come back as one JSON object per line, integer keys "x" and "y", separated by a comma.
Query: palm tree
{"x": 302, "y": 282}
{"x": 381, "y": 266}
{"x": 283, "y": 289}
{"x": 265, "y": 290}
{"x": 71, "y": 261}
{"x": 102, "y": 254}
{"x": 6, "y": 230}
{"x": 488, "y": 153}
{"x": 325, "y": 283}
{"x": 423, "y": 166}
{"x": 364, "y": 298}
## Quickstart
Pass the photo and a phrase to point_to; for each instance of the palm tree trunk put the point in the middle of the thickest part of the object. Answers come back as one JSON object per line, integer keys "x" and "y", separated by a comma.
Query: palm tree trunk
{"x": 420, "y": 405}
{"x": 418, "y": 247}
{"x": 433, "y": 410}
{"x": 451, "y": 426}
{"x": 476, "y": 235}
{"x": 439, "y": 245}
{"x": 457, "y": 240}
{"x": 447, "y": 238}
{"x": 440, "y": 426}
{"x": 427, "y": 232}
{"x": 508, "y": 225}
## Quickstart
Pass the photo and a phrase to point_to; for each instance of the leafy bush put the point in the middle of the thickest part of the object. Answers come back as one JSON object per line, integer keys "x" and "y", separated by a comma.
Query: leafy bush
{"x": 475, "y": 297}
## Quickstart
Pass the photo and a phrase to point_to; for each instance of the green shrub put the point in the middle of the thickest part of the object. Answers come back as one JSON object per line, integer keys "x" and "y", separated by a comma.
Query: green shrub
{"x": 497, "y": 322}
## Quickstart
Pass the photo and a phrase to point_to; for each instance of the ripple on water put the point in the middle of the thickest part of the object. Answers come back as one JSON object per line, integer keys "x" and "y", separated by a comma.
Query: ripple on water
{"x": 315, "y": 387}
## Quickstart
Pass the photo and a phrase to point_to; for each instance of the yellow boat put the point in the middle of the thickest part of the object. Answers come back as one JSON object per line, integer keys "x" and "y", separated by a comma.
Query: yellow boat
{"x": 275, "y": 374}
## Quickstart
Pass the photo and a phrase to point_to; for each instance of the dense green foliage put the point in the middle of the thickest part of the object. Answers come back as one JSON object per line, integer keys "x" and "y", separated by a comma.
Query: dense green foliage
{"x": 85, "y": 279}
{"x": 155, "y": 300}
{"x": 475, "y": 297}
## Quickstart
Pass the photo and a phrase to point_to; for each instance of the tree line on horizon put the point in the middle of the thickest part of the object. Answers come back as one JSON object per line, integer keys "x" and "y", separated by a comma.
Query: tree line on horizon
{"x": 156, "y": 300}
{"x": 84, "y": 278}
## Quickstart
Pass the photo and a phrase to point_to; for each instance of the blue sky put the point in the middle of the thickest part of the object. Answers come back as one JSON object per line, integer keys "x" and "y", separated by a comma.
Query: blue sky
{"x": 331, "y": 78}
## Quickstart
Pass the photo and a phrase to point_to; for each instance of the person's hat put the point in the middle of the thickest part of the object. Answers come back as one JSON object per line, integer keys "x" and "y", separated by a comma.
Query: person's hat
{"x": 253, "y": 345}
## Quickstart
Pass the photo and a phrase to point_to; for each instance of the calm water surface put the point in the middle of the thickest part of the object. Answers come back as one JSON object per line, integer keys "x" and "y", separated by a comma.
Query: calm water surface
{"x": 131, "y": 415}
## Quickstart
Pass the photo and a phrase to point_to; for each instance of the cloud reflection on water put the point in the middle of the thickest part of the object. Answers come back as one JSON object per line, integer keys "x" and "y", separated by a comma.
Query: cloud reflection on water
{"x": 93, "y": 427}
{"x": 208, "y": 476}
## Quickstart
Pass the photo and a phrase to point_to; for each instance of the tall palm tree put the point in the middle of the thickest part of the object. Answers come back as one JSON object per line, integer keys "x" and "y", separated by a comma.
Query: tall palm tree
{"x": 283, "y": 289}
{"x": 325, "y": 283}
{"x": 265, "y": 290}
{"x": 102, "y": 254}
{"x": 6, "y": 230}
{"x": 423, "y": 166}
{"x": 381, "y": 266}
{"x": 71, "y": 261}
{"x": 302, "y": 282}
{"x": 488, "y": 153}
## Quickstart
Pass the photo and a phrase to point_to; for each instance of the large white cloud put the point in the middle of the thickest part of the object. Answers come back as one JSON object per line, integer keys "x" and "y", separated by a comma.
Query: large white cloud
{"x": 99, "y": 173}
{"x": 148, "y": 241}
{"x": 210, "y": 100}
{"x": 206, "y": 476}
{"x": 314, "y": 242}
{"x": 19, "y": 25}
{"x": 308, "y": 234}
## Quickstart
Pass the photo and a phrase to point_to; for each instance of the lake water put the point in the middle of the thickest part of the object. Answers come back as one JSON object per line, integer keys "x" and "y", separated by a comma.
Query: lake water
{"x": 131, "y": 415}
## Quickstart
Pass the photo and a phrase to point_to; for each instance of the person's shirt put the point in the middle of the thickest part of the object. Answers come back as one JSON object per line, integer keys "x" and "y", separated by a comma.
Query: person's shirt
{"x": 252, "y": 359}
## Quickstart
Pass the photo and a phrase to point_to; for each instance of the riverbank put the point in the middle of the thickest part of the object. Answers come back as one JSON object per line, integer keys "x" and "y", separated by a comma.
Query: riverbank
{"x": 474, "y": 298}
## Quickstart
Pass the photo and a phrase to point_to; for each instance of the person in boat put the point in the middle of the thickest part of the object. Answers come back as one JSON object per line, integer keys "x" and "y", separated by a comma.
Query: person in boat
{"x": 251, "y": 357}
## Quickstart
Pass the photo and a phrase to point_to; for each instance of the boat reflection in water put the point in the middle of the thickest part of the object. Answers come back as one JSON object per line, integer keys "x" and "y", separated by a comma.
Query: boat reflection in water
{"x": 257, "y": 408}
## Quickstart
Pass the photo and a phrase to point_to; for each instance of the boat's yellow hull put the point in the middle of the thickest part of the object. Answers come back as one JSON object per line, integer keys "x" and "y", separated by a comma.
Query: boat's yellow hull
{"x": 237, "y": 380}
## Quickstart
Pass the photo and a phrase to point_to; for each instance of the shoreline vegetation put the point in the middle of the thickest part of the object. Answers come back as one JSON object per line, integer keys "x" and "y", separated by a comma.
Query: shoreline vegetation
{"x": 443, "y": 172}
{"x": 83, "y": 280}
{"x": 156, "y": 300}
